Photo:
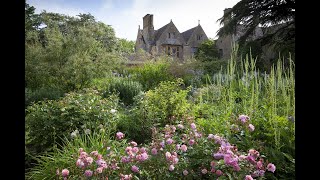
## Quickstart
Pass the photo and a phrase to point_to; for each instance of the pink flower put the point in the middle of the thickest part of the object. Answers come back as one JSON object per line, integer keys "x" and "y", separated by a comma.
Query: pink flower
{"x": 184, "y": 148}
{"x": 162, "y": 144}
{"x": 133, "y": 143}
{"x": 185, "y": 172}
{"x": 65, "y": 172}
{"x": 142, "y": 150}
{"x": 119, "y": 135}
{"x": 193, "y": 126}
{"x": 154, "y": 151}
{"x": 178, "y": 147}
{"x": 144, "y": 156}
{"x": 135, "y": 169}
{"x": 259, "y": 164}
{"x": 80, "y": 163}
{"x": 242, "y": 157}
{"x": 212, "y": 163}
{"x": 210, "y": 136}
{"x": 248, "y": 177}
{"x": 180, "y": 126}
{"x": 88, "y": 173}
{"x": 171, "y": 167}
{"x": 204, "y": 171}
{"x": 251, "y": 127}
{"x": 243, "y": 118}
{"x": 99, "y": 170}
{"x": 125, "y": 159}
{"x": 168, "y": 155}
{"x": 135, "y": 149}
{"x": 89, "y": 160}
{"x": 191, "y": 142}
{"x": 271, "y": 167}
{"x": 219, "y": 172}
{"x": 169, "y": 141}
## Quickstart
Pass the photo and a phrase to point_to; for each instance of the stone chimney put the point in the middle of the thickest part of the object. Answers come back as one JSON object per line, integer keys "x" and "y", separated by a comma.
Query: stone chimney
{"x": 148, "y": 21}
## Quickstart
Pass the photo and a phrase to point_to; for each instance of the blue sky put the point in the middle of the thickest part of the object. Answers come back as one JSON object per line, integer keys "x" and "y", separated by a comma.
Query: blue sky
{"x": 125, "y": 15}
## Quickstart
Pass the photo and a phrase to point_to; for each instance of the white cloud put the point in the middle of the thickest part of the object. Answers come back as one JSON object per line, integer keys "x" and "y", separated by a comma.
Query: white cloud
{"x": 184, "y": 13}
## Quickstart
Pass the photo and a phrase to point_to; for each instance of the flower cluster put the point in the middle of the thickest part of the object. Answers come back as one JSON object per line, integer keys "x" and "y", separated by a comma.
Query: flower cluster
{"x": 175, "y": 148}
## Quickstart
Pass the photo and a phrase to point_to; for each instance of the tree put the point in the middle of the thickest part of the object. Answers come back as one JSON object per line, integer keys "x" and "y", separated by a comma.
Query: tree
{"x": 207, "y": 51}
{"x": 264, "y": 13}
{"x": 32, "y": 21}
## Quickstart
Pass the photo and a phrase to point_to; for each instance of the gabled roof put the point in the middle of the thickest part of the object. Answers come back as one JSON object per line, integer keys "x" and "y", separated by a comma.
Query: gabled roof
{"x": 158, "y": 33}
{"x": 187, "y": 34}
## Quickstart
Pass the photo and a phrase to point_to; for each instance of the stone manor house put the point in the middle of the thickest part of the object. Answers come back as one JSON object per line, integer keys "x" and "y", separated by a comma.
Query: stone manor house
{"x": 168, "y": 40}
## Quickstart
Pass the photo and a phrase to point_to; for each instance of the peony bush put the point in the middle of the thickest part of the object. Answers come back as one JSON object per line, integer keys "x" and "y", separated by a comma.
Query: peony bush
{"x": 177, "y": 151}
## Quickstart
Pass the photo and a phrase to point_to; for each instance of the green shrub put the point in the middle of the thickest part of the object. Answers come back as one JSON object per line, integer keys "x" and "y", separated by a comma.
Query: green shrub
{"x": 48, "y": 121}
{"x": 124, "y": 87}
{"x": 151, "y": 74}
{"x": 33, "y": 96}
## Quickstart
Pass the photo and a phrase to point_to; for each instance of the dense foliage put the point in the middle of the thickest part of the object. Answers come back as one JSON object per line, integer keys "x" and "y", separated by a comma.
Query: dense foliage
{"x": 91, "y": 113}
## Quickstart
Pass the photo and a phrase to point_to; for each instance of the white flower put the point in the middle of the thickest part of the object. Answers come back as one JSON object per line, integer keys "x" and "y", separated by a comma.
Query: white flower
{"x": 73, "y": 135}
{"x": 87, "y": 131}
{"x": 113, "y": 111}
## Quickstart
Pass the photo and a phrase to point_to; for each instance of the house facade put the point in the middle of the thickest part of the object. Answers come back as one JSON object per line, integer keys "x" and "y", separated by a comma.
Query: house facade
{"x": 168, "y": 40}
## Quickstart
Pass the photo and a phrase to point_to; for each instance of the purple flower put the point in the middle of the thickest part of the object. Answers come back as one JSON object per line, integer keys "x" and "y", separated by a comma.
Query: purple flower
{"x": 243, "y": 118}
{"x": 218, "y": 155}
{"x": 169, "y": 141}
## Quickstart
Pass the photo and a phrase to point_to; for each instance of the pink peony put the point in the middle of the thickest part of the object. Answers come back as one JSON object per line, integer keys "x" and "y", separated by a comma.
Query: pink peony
{"x": 248, "y": 177}
{"x": 135, "y": 169}
{"x": 244, "y": 118}
{"x": 154, "y": 151}
{"x": 180, "y": 126}
{"x": 133, "y": 143}
{"x": 191, "y": 142}
{"x": 184, "y": 148}
{"x": 212, "y": 163}
{"x": 89, "y": 160}
{"x": 65, "y": 172}
{"x": 99, "y": 170}
{"x": 80, "y": 163}
{"x": 259, "y": 164}
{"x": 135, "y": 149}
{"x": 204, "y": 171}
{"x": 88, "y": 173}
{"x": 210, "y": 136}
{"x": 193, "y": 126}
{"x": 143, "y": 150}
{"x": 185, "y": 172}
{"x": 171, "y": 167}
{"x": 271, "y": 167}
{"x": 168, "y": 155}
{"x": 178, "y": 147}
{"x": 169, "y": 141}
{"x": 119, "y": 135}
{"x": 219, "y": 172}
{"x": 251, "y": 127}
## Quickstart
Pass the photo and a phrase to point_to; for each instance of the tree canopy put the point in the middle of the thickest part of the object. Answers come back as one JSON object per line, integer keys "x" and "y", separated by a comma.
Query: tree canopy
{"x": 279, "y": 14}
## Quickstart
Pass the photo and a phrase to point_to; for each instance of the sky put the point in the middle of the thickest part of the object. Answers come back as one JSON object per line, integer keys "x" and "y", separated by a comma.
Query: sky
{"x": 126, "y": 15}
